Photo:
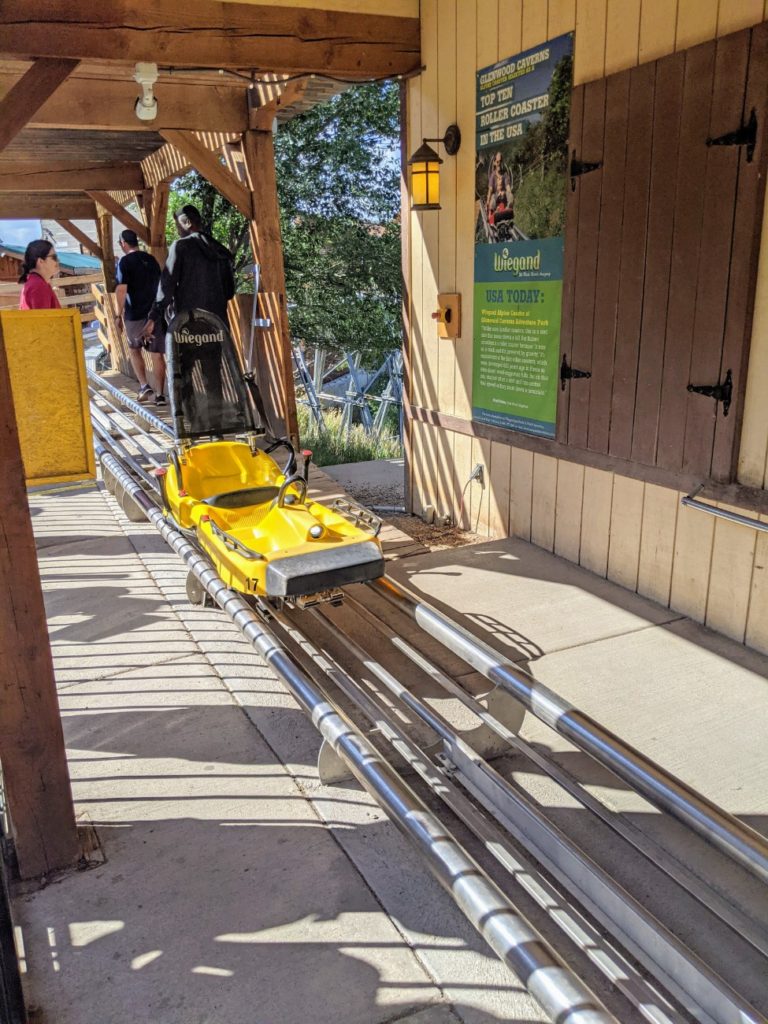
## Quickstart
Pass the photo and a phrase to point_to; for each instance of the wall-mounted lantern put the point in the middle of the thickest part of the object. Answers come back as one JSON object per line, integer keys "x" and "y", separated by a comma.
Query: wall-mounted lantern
{"x": 425, "y": 170}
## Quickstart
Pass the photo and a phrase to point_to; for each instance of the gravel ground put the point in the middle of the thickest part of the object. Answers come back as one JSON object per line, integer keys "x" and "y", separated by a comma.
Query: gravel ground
{"x": 436, "y": 538}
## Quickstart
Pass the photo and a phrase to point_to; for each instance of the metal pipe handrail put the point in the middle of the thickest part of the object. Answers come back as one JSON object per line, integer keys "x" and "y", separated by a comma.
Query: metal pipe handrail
{"x": 730, "y": 835}
{"x": 136, "y": 407}
{"x": 723, "y": 513}
{"x": 558, "y": 990}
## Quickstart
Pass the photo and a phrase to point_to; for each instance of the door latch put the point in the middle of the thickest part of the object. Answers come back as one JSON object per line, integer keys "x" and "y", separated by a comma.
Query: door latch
{"x": 720, "y": 392}
{"x": 567, "y": 372}
{"x": 746, "y": 135}
{"x": 579, "y": 167}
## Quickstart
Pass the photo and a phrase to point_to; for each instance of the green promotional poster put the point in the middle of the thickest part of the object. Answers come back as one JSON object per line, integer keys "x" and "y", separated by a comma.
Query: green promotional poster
{"x": 523, "y": 107}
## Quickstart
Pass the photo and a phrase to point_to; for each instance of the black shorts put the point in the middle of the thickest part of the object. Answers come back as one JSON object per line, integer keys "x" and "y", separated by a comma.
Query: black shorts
{"x": 155, "y": 343}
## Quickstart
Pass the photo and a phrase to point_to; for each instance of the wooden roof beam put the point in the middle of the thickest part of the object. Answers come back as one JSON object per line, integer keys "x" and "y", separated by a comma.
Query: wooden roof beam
{"x": 28, "y": 94}
{"x": 33, "y": 205}
{"x": 207, "y": 162}
{"x": 261, "y": 112}
{"x": 164, "y": 164}
{"x": 105, "y": 200}
{"x": 212, "y": 34}
{"x": 108, "y": 105}
{"x": 68, "y": 177}
{"x": 80, "y": 236}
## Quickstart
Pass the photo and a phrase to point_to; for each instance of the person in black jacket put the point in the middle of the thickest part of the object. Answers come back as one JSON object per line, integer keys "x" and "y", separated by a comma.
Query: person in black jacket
{"x": 198, "y": 273}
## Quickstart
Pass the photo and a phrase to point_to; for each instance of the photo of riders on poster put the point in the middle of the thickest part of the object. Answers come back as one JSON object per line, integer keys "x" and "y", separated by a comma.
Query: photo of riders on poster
{"x": 522, "y": 120}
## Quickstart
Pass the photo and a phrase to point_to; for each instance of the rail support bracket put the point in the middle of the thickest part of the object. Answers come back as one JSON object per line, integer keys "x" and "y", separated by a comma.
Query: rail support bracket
{"x": 508, "y": 712}
{"x": 330, "y": 767}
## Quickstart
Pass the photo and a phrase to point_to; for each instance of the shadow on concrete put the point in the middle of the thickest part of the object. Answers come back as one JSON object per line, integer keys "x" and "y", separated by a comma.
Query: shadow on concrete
{"x": 516, "y": 558}
{"x": 202, "y": 930}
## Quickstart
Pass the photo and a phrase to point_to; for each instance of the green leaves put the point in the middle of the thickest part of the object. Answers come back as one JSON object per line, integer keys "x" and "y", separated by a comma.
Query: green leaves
{"x": 338, "y": 182}
{"x": 338, "y": 187}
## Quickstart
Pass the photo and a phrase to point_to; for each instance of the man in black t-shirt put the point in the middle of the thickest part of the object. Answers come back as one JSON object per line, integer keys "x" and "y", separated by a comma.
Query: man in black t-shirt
{"x": 138, "y": 274}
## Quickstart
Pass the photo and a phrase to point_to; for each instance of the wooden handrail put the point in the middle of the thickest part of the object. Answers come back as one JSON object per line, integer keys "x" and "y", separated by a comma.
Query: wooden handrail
{"x": 13, "y": 288}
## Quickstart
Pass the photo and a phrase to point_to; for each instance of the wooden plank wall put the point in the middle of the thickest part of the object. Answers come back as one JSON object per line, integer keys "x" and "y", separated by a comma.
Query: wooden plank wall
{"x": 634, "y": 533}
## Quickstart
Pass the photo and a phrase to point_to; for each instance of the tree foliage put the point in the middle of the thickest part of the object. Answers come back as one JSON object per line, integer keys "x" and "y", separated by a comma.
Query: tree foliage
{"x": 338, "y": 189}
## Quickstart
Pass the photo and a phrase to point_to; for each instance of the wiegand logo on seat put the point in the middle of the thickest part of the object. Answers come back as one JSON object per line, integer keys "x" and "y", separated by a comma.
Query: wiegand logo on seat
{"x": 189, "y": 336}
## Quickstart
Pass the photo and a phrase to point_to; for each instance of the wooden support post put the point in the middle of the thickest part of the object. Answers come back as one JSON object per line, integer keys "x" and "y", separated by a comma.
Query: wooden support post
{"x": 104, "y": 229}
{"x": 266, "y": 242}
{"x": 35, "y": 775}
{"x": 157, "y": 213}
{"x": 405, "y": 307}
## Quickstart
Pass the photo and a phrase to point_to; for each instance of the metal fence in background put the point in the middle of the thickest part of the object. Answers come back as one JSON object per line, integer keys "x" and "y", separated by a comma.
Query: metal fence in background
{"x": 365, "y": 396}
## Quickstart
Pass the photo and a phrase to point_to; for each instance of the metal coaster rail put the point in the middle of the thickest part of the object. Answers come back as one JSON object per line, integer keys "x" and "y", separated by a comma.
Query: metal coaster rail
{"x": 560, "y": 993}
{"x": 460, "y": 771}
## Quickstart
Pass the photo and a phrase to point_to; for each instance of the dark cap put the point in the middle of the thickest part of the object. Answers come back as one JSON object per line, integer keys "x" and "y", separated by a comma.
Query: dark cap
{"x": 129, "y": 237}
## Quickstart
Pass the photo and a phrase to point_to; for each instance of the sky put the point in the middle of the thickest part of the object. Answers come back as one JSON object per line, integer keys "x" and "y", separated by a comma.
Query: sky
{"x": 19, "y": 232}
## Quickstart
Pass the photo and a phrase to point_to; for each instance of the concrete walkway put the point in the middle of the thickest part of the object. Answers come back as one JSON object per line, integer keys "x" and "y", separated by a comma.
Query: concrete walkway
{"x": 237, "y": 889}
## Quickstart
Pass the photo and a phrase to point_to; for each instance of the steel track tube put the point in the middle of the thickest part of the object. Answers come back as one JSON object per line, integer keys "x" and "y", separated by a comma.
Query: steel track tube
{"x": 731, "y": 836}
{"x": 624, "y": 977}
{"x": 107, "y": 425}
{"x": 154, "y": 421}
{"x": 119, "y": 452}
{"x": 115, "y": 410}
{"x": 699, "y": 888}
{"x": 560, "y": 993}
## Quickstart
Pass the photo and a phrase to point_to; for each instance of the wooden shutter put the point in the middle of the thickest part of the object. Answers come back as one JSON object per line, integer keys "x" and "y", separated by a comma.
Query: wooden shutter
{"x": 661, "y": 251}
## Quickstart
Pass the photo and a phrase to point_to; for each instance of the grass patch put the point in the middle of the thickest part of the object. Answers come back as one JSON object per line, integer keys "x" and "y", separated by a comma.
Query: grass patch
{"x": 334, "y": 445}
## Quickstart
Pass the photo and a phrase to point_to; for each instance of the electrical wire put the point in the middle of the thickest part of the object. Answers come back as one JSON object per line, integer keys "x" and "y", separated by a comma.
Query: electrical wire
{"x": 254, "y": 80}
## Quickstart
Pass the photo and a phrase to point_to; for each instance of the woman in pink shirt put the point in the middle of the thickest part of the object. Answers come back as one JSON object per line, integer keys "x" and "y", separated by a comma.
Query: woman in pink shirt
{"x": 40, "y": 264}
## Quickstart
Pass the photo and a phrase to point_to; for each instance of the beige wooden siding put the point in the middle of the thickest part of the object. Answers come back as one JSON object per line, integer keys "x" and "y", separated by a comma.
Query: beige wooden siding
{"x": 634, "y": 533}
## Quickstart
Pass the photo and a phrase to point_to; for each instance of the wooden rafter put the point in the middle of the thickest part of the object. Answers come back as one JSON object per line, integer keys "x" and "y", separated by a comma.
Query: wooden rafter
{"x": 263, "y": 112}
{"x": 108, "y": 105}
{"x": 23, "y": 206}
{"x": 87, "y": 243}
{"x": 208, "y": 163}
{"x": 164, "y": 164}
{"x": 26, "y": 97}
{"x": 209, "y": 33}
{"x": 125, "y": 196}
{"x": 105, "y": 200}
{"x": 44, "y": 177}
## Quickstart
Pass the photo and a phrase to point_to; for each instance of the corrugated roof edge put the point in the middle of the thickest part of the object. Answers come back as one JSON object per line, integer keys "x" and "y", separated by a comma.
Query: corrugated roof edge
{"x": 71, "y": 260}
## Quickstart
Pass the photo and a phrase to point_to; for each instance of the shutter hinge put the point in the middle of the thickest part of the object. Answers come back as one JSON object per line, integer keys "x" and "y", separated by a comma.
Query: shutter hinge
{"x": 746, "y": 135}
{"x": 720, "y": 392}
{"x": 567, "y": 372}
{"x": 578, "y": 167}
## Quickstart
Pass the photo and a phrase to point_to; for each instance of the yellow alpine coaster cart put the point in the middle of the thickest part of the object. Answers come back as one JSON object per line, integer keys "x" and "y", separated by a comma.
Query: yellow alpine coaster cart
{"x": 252, "y": 518}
